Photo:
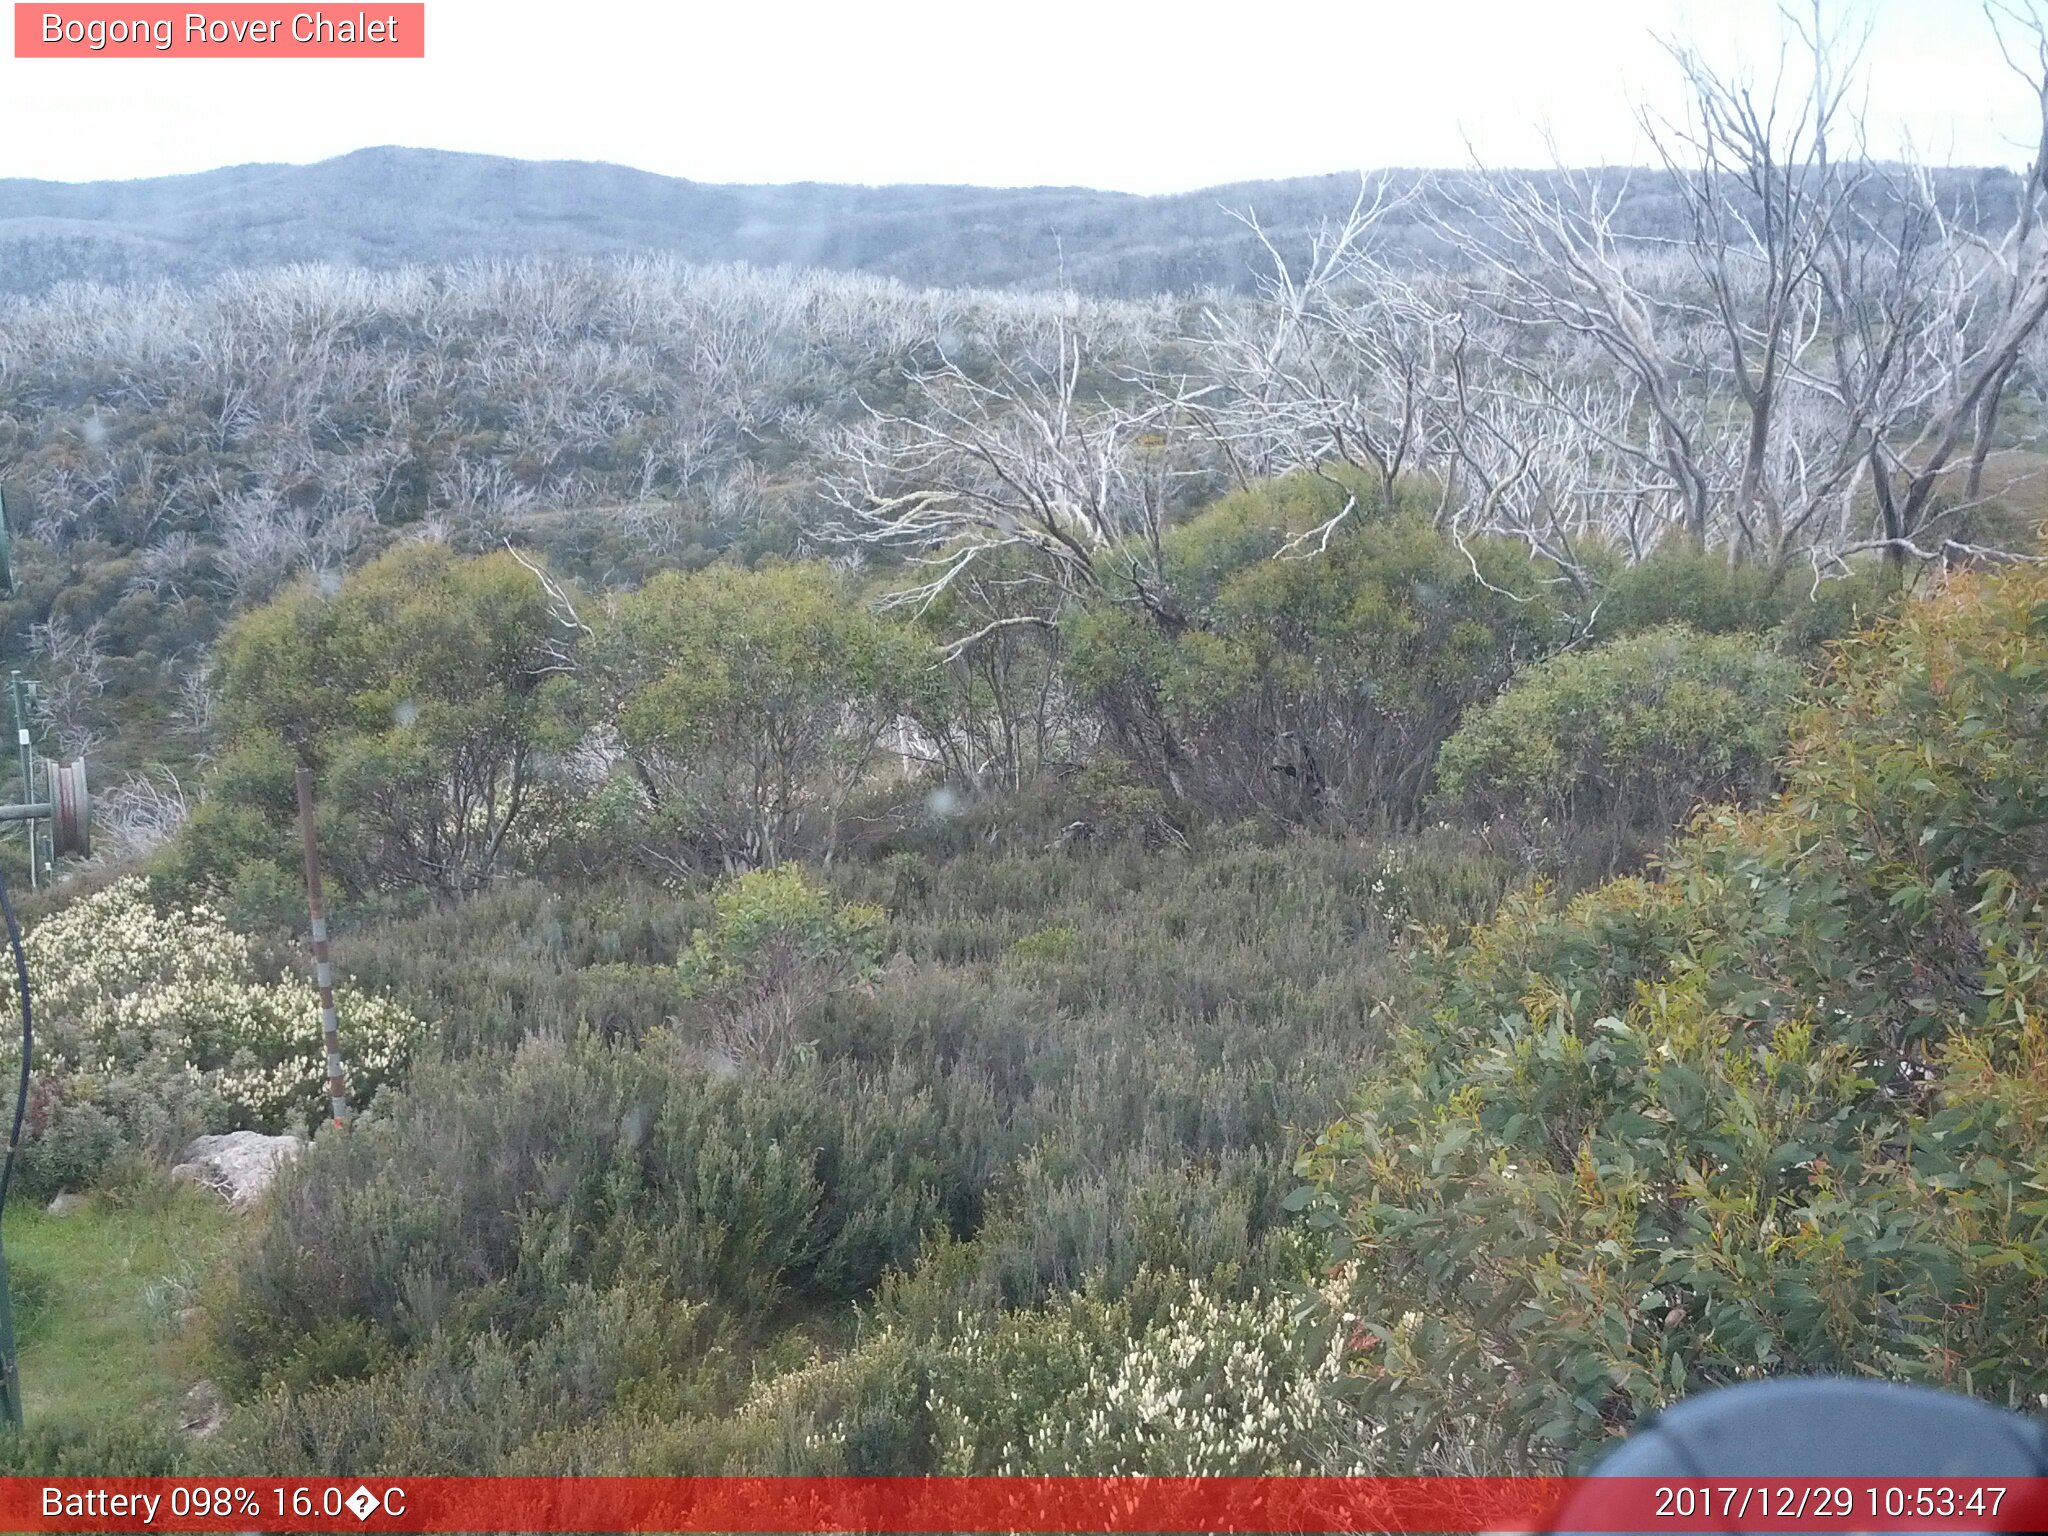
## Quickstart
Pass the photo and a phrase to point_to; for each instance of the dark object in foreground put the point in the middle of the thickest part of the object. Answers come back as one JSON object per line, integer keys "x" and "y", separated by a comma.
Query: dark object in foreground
{"x": 1832, "y": 1426}
{"x": 1824, "y": 1427}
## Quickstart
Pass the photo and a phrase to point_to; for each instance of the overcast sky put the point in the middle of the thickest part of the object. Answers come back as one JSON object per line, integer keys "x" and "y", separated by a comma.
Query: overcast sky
{"x": 1126, "y": 94}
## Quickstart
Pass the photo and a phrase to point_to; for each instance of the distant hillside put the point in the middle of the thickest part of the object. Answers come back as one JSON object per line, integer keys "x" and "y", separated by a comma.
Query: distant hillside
{"x": 387, "y": 207}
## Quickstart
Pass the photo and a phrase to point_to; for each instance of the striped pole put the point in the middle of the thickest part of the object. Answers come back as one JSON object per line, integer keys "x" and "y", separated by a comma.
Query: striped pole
{"x": 323, "y": 968}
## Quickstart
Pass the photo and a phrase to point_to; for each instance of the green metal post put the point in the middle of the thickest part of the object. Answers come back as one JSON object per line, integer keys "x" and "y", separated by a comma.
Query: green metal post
{"x": 10, "y": 1377}
{"x": 28, "y": 772}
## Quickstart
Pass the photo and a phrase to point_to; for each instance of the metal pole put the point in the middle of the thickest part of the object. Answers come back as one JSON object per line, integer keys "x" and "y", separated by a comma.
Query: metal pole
{"x": 323, "y": 969}
{"x": 28, "y": 773}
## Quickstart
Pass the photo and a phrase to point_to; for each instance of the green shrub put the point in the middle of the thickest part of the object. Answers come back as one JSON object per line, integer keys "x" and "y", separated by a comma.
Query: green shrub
{"x": 76, "y": 1129}
{"x": 413, "y": 689}
{"x": 778, "y": 945}
{"x": 1108, "y": 805}
{"x": 1006, "y": 694}
{"x": 237, "y": 828}
{"x": 523, "y": 960}
{"x": 1780, "y": 1109}
{"x": 751, "y": 707}
{"x": 1441, "y": 882}
{"x": 1627, "y": 737}
{"x": 262, "y": 897}
{"x": 1055, "y": 944}
{"x": 471, "y": 1202}
{"x": 622, "y": 1362}
{"x": 1063, "y": 1225}
{"x": 1315, "y": 682}
{"x": 863, "y": 1413}
{"x": 74, "y": 1448}
{"x": 1702, "y": 591}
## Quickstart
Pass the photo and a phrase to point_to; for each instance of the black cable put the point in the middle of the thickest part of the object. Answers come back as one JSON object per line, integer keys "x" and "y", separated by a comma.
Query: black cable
{"x": 28, "y": 1041}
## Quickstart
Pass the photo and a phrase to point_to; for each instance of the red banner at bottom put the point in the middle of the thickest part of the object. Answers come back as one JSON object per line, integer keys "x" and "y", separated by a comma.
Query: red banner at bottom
{"x": 1024, "y": 1504}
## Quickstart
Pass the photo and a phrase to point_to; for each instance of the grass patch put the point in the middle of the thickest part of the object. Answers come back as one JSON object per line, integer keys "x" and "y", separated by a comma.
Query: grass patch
{"x": 97, "y": 1300}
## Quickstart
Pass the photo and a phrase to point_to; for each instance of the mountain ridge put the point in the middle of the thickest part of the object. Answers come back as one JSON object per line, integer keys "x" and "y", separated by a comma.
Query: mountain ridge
{"x": 392, "y": 205}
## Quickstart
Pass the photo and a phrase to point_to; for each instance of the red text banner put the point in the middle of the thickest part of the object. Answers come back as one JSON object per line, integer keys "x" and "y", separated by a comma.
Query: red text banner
{"x": 223, "y": 31}
{"x": 1079, "y": 1504}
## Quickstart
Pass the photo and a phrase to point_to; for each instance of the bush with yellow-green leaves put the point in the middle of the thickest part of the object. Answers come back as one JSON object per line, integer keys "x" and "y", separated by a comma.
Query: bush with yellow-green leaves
{"x": 1783, "y": 1108}
{"x": 153, "y": 1026}
{"x": 1626, "y": 737}
{"x": 780, "y": 945}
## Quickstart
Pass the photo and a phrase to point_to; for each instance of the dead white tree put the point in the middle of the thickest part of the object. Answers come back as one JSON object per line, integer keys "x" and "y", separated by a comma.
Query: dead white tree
{"x": 1340, "y": 360}
{"x": 139, "y": 816}
{"x": 70, "y": 679}
{"x": 1829, "y": 346}
{"x": 1549, "y": 259}
{"x": 570, "y": 632}
{"x": 1982, "y": 300}
{"x": 1026, "y": 455}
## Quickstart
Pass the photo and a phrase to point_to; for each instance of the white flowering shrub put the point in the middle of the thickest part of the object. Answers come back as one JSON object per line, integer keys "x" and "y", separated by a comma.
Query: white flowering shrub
{"x": 148, "y": 1019}
{"x": 1209, "y": 1387}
